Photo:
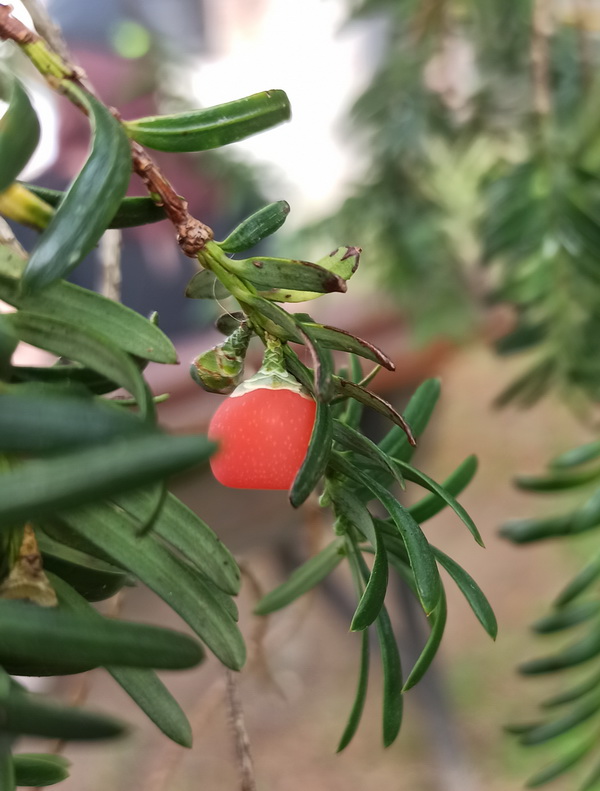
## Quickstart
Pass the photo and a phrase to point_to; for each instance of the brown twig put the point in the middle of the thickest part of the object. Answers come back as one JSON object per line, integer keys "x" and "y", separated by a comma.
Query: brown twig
{"x": 83, "y": 686}
{"x": 192, "y": 234}
{"x": 11, "y": 28}
{"x": 240, "y": 733}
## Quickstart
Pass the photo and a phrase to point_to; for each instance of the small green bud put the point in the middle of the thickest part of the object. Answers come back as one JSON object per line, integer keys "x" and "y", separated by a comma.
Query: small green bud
{"x": 253, "y": 230}
{"x": 221, "y": 369}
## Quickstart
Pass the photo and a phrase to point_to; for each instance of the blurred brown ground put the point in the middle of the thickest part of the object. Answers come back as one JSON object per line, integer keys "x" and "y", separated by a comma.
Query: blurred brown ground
{"x": 313, "y": 659}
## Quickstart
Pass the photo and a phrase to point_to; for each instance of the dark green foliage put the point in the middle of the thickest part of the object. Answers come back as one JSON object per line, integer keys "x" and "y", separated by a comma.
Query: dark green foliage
{"x": 182, "y": 529}
{"x": 373, "y": 596}
{"x": 40, "y": 769}
{"x": 574, "y": 616}
{"x": 52, "y": 423}
{"x": 212, "y": 127}
{"x": 273, "y": 273}
{"x": 322, "y": 360}
{"x": 317, "y": 457}
{"x": 90, "y": 204}
{"x": 193, "y": 596}
{"x": 141, "y": 684}
{"x": 354, "y": 470}
{"x": 101, "y": 641}
{"x": 438, "y": 625}
{"x": 93, "y": 578}
{"x": 45, "y": 486}
{"x": 361, "y": 695}
{"x": 33, "y": 716}
{"x": 68, "y": 448}
{"x": 82, "y": 449}
{"x": 131, "y": 212}
{"x": 86, "y": 311}
{"x": 432, "y": 504}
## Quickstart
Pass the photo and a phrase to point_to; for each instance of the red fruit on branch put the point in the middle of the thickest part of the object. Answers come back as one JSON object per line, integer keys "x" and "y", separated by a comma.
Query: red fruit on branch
{"x": 263, "y": 435}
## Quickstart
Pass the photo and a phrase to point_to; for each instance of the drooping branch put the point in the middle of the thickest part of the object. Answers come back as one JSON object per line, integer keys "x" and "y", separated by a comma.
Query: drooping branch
{"x": 13, "y": 29}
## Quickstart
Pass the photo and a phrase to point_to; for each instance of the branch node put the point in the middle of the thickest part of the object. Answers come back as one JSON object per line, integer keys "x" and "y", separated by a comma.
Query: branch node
{"x": 192, "y": 235}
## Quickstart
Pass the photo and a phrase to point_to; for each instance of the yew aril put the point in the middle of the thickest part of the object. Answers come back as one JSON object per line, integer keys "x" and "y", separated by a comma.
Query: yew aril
{"x": 263, "y": 436}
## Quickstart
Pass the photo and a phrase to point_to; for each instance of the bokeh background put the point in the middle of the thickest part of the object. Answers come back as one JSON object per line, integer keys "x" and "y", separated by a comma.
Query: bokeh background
{"x": 403, "y": 112}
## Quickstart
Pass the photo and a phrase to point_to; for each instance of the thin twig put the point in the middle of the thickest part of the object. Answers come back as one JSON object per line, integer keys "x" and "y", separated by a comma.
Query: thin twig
{"x": 586, "y": 60}
{"x": 80, "y": 691}
{"x": 109, "y": 251}
{"x": 257, "y": 662}
{"x": 11, "y": 28}
{"x": 240, "y": 733}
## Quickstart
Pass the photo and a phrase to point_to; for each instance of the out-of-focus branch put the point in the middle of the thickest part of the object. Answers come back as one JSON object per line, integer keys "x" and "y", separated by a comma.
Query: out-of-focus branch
{"x": 240, "y": 733}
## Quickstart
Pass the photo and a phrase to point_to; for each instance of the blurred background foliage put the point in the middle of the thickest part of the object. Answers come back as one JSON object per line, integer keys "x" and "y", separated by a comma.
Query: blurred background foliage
{"x": 478, "y": 187}
{"x": 477, "y": 145}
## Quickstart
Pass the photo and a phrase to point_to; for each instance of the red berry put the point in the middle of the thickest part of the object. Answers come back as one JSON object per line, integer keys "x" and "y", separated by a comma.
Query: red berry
{"x": 263, "y": 436}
